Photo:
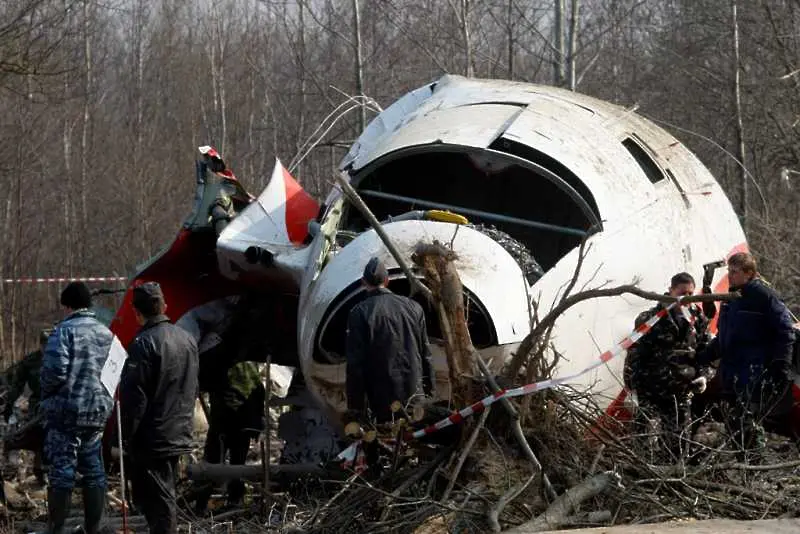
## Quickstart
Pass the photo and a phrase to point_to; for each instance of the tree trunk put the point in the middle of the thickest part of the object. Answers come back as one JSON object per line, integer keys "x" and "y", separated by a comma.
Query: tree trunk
{"x": 510, "y": 38}
{"x": 436, "y": 261}
{"x": 87, "y": 95}
{"x": 301, "y": 52}
{"x": 737, "y": 102}
{"x": 558, "y": 44}
{"x": 362, "y": 113}
{"x": 573, "y": 42}
{"x": 465, "y": 35}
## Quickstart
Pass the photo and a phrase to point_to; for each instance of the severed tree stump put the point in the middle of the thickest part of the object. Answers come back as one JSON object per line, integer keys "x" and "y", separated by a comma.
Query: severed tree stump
{"x": 436, "y": 262}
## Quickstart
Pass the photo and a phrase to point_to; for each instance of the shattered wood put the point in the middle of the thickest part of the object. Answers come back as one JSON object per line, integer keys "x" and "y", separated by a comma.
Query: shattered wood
{"x": 437, "y": 264}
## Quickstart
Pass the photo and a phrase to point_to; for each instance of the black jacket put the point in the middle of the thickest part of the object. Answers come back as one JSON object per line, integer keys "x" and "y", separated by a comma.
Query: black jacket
{"x": 158, "y": 389}
{"x": 388, "y": 358}
{"x": 755, "y": 340}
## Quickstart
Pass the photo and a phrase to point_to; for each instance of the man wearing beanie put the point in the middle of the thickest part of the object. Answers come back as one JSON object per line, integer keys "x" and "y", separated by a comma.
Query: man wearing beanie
{"x": 388, "y": 358}
{"x": 157, "y": 392}
{"x": 75, "y": 406}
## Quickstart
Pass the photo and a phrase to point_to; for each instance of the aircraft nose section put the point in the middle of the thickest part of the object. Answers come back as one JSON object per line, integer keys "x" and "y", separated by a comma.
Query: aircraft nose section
{"x": 495, "y": 286}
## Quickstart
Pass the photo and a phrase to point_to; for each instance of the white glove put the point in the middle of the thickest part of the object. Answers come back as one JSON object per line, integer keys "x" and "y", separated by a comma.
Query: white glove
{"x": 700, "y": 384}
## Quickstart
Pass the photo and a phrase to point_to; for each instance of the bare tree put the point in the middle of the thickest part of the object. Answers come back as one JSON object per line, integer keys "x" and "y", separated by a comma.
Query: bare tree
{"x": 737, "y": 103}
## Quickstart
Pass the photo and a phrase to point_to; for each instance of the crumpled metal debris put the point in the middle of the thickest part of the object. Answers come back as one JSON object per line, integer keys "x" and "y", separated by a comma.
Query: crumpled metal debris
{"x": 530, "y": 267}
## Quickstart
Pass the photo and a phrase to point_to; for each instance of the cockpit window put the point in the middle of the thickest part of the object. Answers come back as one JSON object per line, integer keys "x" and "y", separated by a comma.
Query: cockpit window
{"x": 645, "y": 161}
{"x": 541, "y": 211}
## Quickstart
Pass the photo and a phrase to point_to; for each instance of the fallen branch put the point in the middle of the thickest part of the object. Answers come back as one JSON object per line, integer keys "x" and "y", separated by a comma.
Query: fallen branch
{"x": 418, "y": 475}
{"x": 527, "y": 344}
{"x": 749, "y": 467}
{"x": 254, "y": 473}
{"x": 465, "y": 452}
{"x": 493, "y": 517}
{"x": 559, "y": 512}
{"x": 516, "y": 426}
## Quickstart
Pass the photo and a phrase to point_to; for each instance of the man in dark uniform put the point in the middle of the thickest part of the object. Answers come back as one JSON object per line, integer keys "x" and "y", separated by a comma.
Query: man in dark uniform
{"x": 237, "y": 416}
{"x": 754, "y": 344}
{"x": 388, "y": 358}
{"x": 157, "y": 392}
{"x": 667, "y": 365}
{"x": 26, "y": 373}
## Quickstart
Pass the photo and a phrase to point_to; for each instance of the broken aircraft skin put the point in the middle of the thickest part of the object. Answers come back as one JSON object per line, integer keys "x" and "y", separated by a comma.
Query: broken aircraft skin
{"x": 534, "y": 169}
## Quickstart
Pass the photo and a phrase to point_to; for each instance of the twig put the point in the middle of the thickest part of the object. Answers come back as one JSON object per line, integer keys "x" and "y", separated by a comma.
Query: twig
{"x": 516, "y": 426}
{"x": 338, "y": 494}
{"x": 738, "y": 490}
{"x": 596, "y": 459}
{"x": 421, "y": 473}
{"x": 493, "y": 517}
{"x": 749, "y": 467}
{"x": 265, "y": 444}
{"x": 465, "y": 452}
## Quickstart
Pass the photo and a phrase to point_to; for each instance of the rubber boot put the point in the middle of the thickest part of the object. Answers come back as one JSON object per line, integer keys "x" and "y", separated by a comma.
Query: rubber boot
{"x": 58, "y": 501}
{"x": 94, "y": 506}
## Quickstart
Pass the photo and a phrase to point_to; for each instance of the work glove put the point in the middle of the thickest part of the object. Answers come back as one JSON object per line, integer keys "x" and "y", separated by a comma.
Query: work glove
{"x": 700, "y": 384}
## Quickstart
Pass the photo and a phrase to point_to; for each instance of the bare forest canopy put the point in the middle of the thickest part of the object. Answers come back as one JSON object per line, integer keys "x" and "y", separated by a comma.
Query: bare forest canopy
{"x": 104, "y": 103}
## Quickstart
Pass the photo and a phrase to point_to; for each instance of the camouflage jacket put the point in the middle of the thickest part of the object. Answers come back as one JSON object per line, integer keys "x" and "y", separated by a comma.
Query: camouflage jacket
{"x": 25, "y": 373}
{"x": 72, "y": 394}
{"x": 239, "y": 397}
{"x": 666, "y": 359}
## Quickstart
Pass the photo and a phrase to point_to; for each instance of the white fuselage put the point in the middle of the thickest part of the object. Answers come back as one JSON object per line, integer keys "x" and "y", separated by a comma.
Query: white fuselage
{"x": 659, "y": 209}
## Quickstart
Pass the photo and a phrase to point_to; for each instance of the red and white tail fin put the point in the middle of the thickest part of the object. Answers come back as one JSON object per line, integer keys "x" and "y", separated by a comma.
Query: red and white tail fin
{"x": 289, "y": 206}
{"x": 277, "y": 221}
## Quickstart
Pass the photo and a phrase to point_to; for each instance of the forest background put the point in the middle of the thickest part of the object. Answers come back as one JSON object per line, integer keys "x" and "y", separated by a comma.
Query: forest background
{"x": 103, "y": 104}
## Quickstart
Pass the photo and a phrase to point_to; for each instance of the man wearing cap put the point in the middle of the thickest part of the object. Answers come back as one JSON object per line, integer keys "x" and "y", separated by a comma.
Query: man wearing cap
{"x": 388, "y": 358}
{"x": 26, "y": 373}
{"x": 157, "y": 392}
{"x": 75, "y": 406}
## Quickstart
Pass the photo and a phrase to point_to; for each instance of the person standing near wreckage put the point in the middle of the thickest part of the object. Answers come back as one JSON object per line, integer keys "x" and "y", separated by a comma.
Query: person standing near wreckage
{"x": 755, "y": 343}
{"x": 388, "y": 358}
{"x": 28, "y": 373}
{"x": 157, "y": 392}
{"x": 668, "y": 364}
{"x": 76, "y": 406}
{"x": 237, "y": 417}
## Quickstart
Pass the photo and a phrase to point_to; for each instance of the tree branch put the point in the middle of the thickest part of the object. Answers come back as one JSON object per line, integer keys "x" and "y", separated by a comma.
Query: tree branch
{"x": 519, "y": 359}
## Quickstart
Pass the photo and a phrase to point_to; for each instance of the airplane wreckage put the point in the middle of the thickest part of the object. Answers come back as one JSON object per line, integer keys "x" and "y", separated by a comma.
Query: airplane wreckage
{"x": 513, "y": 176}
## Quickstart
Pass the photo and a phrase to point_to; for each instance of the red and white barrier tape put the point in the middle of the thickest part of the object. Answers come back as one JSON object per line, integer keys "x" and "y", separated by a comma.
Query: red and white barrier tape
{"x": 65, "y": 279}
{"x": 351, "y": 453}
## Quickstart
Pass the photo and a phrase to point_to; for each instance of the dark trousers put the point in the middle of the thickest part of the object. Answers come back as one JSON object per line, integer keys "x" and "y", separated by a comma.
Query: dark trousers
{"x": 153, "y": 486}
{"x": 225, "y": 439}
